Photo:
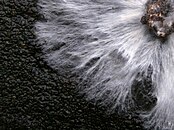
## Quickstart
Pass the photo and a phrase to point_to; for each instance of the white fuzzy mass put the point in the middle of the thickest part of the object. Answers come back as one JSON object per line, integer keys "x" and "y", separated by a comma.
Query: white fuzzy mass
{"x": 105, "y": 42}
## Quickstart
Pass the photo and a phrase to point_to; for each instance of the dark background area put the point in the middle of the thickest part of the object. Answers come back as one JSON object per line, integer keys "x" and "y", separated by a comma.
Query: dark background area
{"x": 32, "y": 95}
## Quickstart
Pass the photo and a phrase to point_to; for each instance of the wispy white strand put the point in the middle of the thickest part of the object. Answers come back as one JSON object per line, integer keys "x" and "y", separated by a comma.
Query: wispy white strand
{"x": 105, "y": 41}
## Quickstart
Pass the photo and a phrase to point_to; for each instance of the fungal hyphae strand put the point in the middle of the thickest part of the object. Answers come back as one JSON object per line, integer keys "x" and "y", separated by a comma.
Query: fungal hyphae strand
{"x": 158, "y": 17}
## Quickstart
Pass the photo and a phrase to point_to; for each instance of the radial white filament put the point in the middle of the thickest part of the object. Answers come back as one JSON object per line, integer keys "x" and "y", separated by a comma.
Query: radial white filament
{"x": 105, "y": 41}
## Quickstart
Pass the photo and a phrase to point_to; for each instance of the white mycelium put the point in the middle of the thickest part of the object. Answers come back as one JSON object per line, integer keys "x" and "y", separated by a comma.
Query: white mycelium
{"x": 104, "y": 41}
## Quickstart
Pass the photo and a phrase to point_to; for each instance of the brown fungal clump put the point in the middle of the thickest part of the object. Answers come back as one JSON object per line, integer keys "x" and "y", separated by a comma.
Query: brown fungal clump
{"x": 159, "y": 17}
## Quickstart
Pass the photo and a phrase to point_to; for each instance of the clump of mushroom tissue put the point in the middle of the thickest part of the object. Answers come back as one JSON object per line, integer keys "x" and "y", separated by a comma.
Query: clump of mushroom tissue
{"x": 119, "y": 57}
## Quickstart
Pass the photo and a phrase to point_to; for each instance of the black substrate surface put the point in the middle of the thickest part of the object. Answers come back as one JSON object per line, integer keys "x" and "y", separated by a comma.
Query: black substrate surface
{"x": 32, "y": 95}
